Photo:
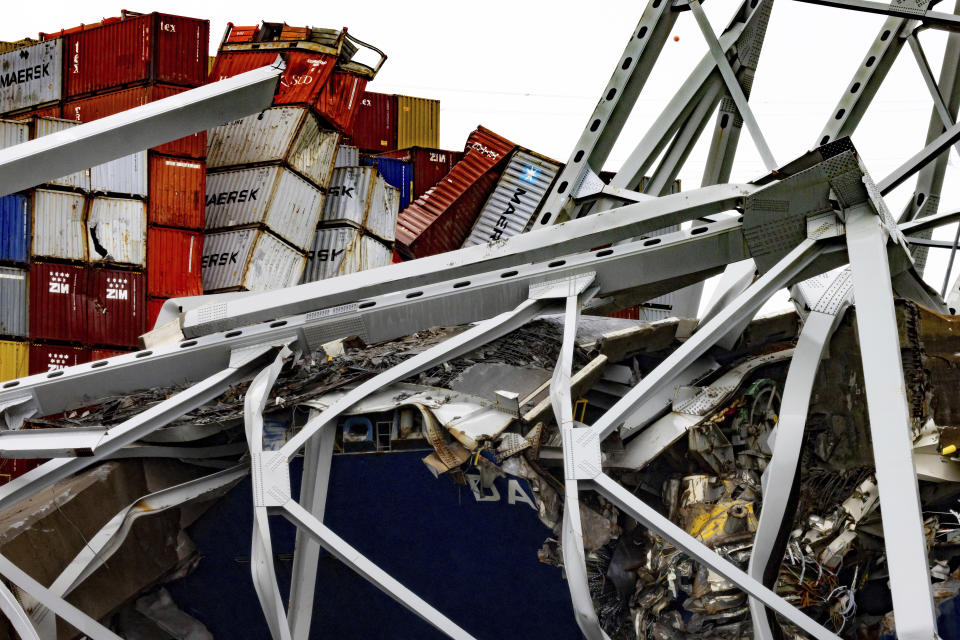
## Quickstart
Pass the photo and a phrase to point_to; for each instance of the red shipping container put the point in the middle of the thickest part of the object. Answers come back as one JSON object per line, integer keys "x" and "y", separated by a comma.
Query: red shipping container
{"x": 49, "y": 111}
{"x": 116, "y": 307}
{"x": 53, "y": 357}
{"x": 339, "y": 100}
{"x": 153, "y": 310}
{"x": 101, "y": 106}
{"x": 241, "y": 34}
{"x": 630, "y": 313}
{"x": 58, "y": 302}
{"x": 375, "y": 129}
{"x": 153, "y": 47}
{"x": 178, "y": 187}
{"x": 301, "y": 83}
{"x": 103, "y": 354}
{"x": 440, "y": 220}
{"x": 173, "y": 263}
{"x": 429, "y": 166}
{"x": 13, "y": 468}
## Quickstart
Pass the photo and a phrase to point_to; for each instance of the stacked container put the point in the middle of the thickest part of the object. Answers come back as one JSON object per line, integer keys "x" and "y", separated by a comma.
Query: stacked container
{"x": 14, "y": 257}
{"x": 429, "y": 166}
{"x": 387, "y": 122}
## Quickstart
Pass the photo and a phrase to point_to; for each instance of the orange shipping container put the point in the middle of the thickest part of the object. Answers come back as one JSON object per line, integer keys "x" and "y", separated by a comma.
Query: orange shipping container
{"x": 339, "y": 100}
{"x": 177, "y": 190}
{"x": 173, "y": 263}
{"x": 153, "y": 310}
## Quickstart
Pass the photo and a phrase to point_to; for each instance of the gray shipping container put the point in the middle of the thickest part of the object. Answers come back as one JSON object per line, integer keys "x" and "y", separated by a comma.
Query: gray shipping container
{"x": 45, "y": 126}
{"x": 288, "y": 135}
{"x": 516, "y": 198}
{"x": 13, "y": 302}
{"x": 339, "y": 251}
{"x": 58, "y": 225}
{"x": 13, "y": 132}
{"x": 360, "y": 196}
{"x": 117, "y": 231}
{"x": 249, "y": 260}
{"x": 126, "y": 175}
{"x": 30, "y": 76}
{"x": 273, "y": 196}
{"x": 347, "y": 156}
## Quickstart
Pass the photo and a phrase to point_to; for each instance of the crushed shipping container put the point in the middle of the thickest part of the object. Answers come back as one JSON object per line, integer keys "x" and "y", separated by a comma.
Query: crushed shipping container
{"x": 339, "y": 251}
{"x": 177, "y": 192}
{"x": 429, "y": 166}
{"x": 31, "y": 76}
{"x": 13, "y": 302}
{"x": 418, "y": 122}
{"x": 53, "y": 357}
{"x": 300, "y": 83}
{"x": 14, "y": 359}
{"x": 249, "y": 260}
{"x": 116, "y": 307}
{"x": 173, "y": 262}
{"x": 58, "y": 302}
{"x": 360, "y": 196}
{"x": 375, "y": 129}
{"x": 398, "y": 174}
{"x": 117, "y": 231}
{"x": 15, "y": 228}
{"x": 339, "y": 99}
{"x": 58, "y": 227}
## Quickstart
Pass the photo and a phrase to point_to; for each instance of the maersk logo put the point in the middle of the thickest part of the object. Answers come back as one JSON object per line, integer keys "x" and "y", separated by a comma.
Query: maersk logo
{"x": 219, "y": 259}
{"x": 324, "y": 255}
{"x": 341, "y": 191}
{"x": 35, "y": 72}
{"x": 59, "y": 282}
{"x": 510, "y": 210}
{"x": 117, "y": 289}
{"x": 228, "y": 197}
{"x": 57, "y": 361}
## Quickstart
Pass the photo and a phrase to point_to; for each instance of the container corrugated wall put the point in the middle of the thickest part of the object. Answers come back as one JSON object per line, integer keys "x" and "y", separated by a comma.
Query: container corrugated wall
{"x": 46, "y": 126}
{"x": 53, "y": 357}
{"x": 397, "y": 173}
{"x": 15, "y": 228}
{"x": 177, "y": 192}
{"x": 375, "y": 129}
{"x": 359, "y": 195}
{"x": 339, "y": 100}
{"x": 31, "y": 76}
{"x": 117, "y": 231}
{"x": 13, "y": 132}
{"x": 300, "y": 83}
{"x": 347, "y": 156}
{"x": 173, "y": 262}
{"x": 116, "y": 307}
{"x": 516, "y": 199}
{"x": 58, "y": 302}
{"x": 58, "y": 225}
{"x": 339, "y": 251}
{"x": 13, "y": 302}
{"x": 273, "y": 196}
{"x": 14, "y": 360}
{"x": 429, "y": 166}
{"x": 249, "y": 259}
{"x": 126, "y": 175}
{"x": 418, "y": 122}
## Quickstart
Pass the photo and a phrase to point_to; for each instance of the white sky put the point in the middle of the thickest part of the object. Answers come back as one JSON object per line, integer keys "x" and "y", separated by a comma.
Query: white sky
{"x": 533, "y": 71}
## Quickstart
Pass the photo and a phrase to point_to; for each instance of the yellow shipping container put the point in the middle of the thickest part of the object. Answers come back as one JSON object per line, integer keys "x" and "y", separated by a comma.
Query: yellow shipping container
{"x": 13, "y": 359}
{"x": 19, "y": 44}
{"x": 418, "y": 122}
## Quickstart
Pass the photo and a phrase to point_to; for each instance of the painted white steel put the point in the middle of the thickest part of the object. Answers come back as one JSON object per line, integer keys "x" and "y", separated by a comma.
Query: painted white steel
{"x": 249, "y": 259}
{"x": 126, "y": 175}
{"x": 273, "y": 196}
{"x": 58, "y": 225}
{"x": 30, "y": 76}
{"x": 338, "y": 251}
{"x": 347, "y": 156}
{"x": 289, "y": 135}
{"x": 13, "y": 132}
{"x": 516, "y": 198}
{"x": 45, "y": 126}
{"x": 117, "y": 231}
{"x": 360, "y": 196}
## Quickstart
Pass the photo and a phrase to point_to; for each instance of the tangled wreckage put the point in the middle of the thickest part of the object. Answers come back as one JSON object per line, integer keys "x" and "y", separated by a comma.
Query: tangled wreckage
{"x": 719, "y": 475}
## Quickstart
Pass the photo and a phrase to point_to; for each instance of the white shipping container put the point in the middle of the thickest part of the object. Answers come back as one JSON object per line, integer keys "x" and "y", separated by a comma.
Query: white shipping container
{"x": 360, "y": 196}
{"x": 339, "y": 251}
{"x": 126, "y": 175}
{"x": 58, "y": 226}
{"x": 13, "y": 132}
{"x": 14, "y": 301}
{"x": 516, "y": 198}
{"x": 117, "y": 231}
{"x": 347, "y": 156}
{"x": 44, "y": 126}
{"x": 30, "y": 76}
{"x": 289, "y": 135}
{"x": 249, "y": 260}
{"x": 273, "y": 196}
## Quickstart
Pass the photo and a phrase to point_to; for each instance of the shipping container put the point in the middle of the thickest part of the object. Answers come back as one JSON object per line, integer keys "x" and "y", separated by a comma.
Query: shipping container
{"x": 58, "y": 226}
{"x": 58, "y": 302}
{"x": 44, "y": 127}
{"x": 339, "y": 100}
{"x": 249, "y": 260}
{"x": 360, "y": 196}
{"x": 290, "y": 135}
{"x": 272, "y": 196}
{"x": 13, "y": 468}
{"x": 13, "y": 132}
{"x": 398, "y": 174}
{"x": 441, "y": 219}
{"x": 15, "y": 228}
{"x": 126, "y": 175}
{"x": 116, "y": 307}
{"x": 31, "y": 76}
{"x": 516, "y": 199}
{"x": 53, "y": 110}
{"x": 375, "y": 129}
{"x": 103, "y": 354}
{"x": 154, "y": 47}
{"x": 154, "y": 305}
{"x": 339, "y": 251}
{"x": 300, "y": 83}
{"x": 177, "y": 192}
{"x": 6, "y": 45}
{"x": 53, "y": 357}
{"x": 103, "y": 105}
{"x": 429, "y": 166}
{"x": 14, "y": 360}
{"x": 347, "y": 156}
{"x": 418, "y": 122}
{"x": 173, "y": 262}
{"x": 117, "y": 231}
{"x": 13, "y": 302}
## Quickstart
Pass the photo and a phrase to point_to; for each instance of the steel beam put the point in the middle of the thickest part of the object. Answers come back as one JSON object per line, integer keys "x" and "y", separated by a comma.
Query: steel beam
{"x": 912, "y": 11}
{"x": 19, "y": 620}
{"x": 920, "y": 159}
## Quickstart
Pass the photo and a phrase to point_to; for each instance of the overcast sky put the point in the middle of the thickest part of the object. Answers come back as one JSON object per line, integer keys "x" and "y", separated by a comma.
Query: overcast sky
{"x": 533, "y": 71}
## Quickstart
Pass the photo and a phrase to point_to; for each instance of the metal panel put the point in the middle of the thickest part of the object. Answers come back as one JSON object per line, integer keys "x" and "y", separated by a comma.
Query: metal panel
{"x": 359, "y": 195}
{"x": 30, "y": 76}
{"x": 301, "y": 82}
{"x": 339, "y": 100}
{"x": 13, "y": 302}
{"x": 249, "y": 260}
{"x": 376, "y": 127}
{"x": 58, "y": 302}
{"x": 397, "y": 173}
{"x": 45, "y": 126}
{"x": 117, "y": 231}
{"x": 173, "y": 262}
{"x": 13, "y": 132}
{"x": 13, "y": 360}
{"x": 516, "y": 199}
{"x": 418, "y": 122}
{"x": 116, "y": 307}
{"x": 53, "y": 357}
{"x": 338, "y": 251}
{"x": 273, "y": 196}
{"x": 58, "y": 225}
{"x": 347, "y": 156}
{"x": 177, "y": 192}
{"x": 429, "y": 166}
{"x": 15, "y": 228}
{"x": 126, "y": 175}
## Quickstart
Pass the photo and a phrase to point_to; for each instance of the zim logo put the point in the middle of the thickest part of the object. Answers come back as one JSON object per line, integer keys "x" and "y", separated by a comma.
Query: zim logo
{"x": 117, "y": 289}
{"x": 57, "y": 361}
{"x": 437, "y": 157}
{"x": 59, "y": 282}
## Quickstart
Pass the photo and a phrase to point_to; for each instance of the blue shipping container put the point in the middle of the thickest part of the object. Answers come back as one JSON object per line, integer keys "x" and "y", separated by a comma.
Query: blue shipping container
{"x": 14, "y": 228}
{"x": 397, "y": 173}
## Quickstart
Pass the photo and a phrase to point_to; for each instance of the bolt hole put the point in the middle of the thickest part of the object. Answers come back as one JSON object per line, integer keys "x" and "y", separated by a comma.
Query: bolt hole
{"x": 414, "y": 294}
{"x": 740, "y": 219}
{"x": 143, "y": 354}
{"x": 545, "y": 218}
{"x": 840, "y": 113}
{"x": 885, "y": 35}
{"x": 604, "y": 253}
{"x": 188, "y": 343}
{"x": 508, "y": 274}
{"x": 855, "y": 87}
{"x": 626, "y": 63}
{"x": 594, "y": 125}
{"x": 611, "y": 94}
{"x": 724, "y": 120}
{"x": 871, "y": 60}
{"x": 651, "y": 242}
{"x": 367, "y": 304}
{"x": 98, "y": 364}
{"x": 232, "y": 334}
{"x": 825, "y": 140}
{"x": 562, "y": 187}
{"x": 920, "y": 199}
{"x": 55, "y": 374}
{"x": 460, "y": 285}
{"x": 11, "y": 385}
{"x": 278, "y": 323}
{"x": 557, "y": 263}
{"x": 579, "y": 156}
{"x": 642, "y": 32}
{"x": 697, "y": 231}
